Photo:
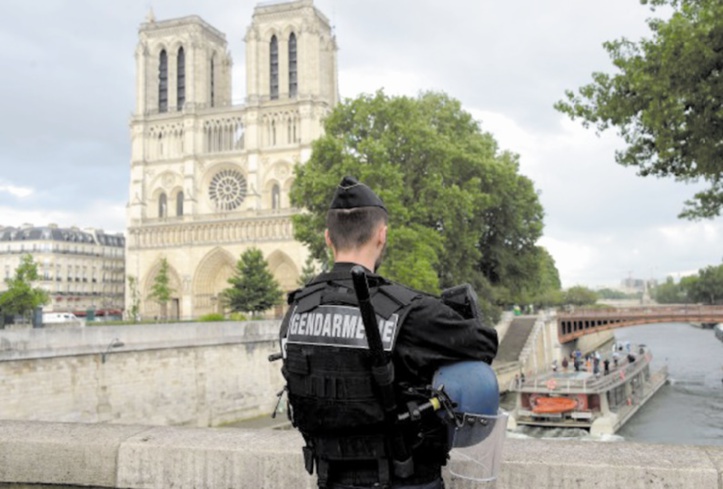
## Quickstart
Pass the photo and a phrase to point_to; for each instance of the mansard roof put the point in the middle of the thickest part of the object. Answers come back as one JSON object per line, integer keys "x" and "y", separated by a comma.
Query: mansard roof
{"x": 52, "y": 233}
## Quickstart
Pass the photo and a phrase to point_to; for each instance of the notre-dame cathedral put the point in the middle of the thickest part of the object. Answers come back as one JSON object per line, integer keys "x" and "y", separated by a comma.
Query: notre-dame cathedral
{"x": 210, "y": 179}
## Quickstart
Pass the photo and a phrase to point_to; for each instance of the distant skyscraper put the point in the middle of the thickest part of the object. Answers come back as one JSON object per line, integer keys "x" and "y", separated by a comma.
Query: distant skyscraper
{"x": 210, "y": 179}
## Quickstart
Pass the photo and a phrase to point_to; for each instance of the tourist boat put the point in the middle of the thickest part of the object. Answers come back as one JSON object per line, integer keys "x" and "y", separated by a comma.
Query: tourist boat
{"x": 600, "y": 402}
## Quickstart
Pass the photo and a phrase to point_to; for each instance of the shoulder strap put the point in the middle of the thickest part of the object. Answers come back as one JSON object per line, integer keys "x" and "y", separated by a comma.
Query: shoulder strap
{"x": 392, "y": 297}
{"x": 387, "y": 297}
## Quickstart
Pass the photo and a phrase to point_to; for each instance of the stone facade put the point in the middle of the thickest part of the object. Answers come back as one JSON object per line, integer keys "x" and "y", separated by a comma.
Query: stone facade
{"x": 211, "y": 179}
{"x": 80, "y": 269}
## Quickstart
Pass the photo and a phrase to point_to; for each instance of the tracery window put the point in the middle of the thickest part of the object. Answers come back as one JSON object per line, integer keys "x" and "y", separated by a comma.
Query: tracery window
{"x": 275, "y": 196}
{"x": 293, "y": 83}
{"x": 180, "y": 79}
{"x": 227, "y": 189}
{"x": 213, "y": 80}
{"x": 163, "y": 82}
{"x": 179, "y": 204}
{"x": 274, "y": 68}
{"x": 162, "y": 205}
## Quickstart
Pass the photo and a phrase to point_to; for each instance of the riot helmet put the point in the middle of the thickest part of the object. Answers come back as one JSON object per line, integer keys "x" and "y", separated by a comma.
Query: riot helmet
{"x": 477, "y": 426}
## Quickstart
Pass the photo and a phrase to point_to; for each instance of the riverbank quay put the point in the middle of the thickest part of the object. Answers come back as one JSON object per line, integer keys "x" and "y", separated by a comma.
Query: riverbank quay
{"x": 69, "y": 455}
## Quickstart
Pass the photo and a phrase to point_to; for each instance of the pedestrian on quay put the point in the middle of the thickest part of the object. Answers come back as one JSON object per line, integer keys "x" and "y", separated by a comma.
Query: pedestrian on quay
{"x": 606, "y": 366}
{"x": 349, "y": 442}
{"x": 565, "y": 364}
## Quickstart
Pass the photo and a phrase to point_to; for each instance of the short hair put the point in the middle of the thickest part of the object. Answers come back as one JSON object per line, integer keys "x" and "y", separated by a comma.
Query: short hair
{"x": 352, "y": 228}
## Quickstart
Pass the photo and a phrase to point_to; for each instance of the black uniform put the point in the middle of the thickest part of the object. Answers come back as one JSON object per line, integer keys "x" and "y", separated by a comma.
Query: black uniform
{"x": 333, "y": 400}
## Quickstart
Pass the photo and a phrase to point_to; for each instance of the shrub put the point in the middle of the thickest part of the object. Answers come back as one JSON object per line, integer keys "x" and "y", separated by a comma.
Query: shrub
{"x": 214, "y": 316}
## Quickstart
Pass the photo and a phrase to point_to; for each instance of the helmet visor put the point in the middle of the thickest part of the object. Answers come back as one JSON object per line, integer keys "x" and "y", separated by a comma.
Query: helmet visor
{"x": 477, "y": 447}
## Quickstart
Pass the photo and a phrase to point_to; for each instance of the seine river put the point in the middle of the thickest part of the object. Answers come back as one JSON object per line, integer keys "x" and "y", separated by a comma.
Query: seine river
{"x": 689, "y": 408}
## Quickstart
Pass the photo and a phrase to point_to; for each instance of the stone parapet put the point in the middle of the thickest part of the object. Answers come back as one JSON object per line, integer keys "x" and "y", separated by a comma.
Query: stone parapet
{"x": 70, "y": 454}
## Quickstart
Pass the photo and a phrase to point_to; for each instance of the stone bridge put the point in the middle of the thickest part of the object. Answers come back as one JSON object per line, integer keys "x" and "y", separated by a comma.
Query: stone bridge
{"x": 573, "y": 325}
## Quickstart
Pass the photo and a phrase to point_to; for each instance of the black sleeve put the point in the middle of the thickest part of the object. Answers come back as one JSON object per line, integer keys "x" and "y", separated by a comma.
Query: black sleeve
{"x": 434, "y": 335}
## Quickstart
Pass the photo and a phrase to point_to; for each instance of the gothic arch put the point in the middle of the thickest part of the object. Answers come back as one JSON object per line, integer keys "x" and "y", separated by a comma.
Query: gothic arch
{"x": 291, "y": 29}
{"x": 272, "y": 194}
{"x": 285, "y": 189}
{"x": 284, "y": 270}
{"x": 175, "y": 195}
{"x": 210, "y": 279}
{"x": 271, "y": 32}
{"x": 151, "y": 309}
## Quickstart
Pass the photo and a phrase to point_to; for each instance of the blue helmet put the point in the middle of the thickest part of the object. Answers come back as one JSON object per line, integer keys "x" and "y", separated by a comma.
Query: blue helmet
{"x": 473, "y": 387}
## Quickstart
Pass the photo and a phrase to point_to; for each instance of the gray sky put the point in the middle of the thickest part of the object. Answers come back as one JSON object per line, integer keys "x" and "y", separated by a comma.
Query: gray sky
{"x": 68, "y": 93}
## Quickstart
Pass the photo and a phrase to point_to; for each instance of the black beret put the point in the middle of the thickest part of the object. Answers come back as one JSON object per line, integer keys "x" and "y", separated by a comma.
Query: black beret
{"x": 351, "y": 194}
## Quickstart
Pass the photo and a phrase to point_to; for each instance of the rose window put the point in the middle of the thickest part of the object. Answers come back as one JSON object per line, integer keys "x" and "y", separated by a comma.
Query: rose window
{"x": 227, "y": 189}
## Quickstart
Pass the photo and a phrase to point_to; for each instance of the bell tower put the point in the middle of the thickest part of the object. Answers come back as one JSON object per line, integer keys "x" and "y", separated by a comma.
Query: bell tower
{"x": 179, "y": 62}
{"x": 290, "y": 54}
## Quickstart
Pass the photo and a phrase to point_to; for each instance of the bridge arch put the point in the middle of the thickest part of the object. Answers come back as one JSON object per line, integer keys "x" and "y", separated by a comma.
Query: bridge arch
{"x": 573, "y": 325}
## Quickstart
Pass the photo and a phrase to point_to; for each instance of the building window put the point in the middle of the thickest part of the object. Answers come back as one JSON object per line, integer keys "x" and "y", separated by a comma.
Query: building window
{"x": 274, "y": 66}
{"x": 163, "y": 82}
{"x": 181, "y": 79}
{"x": 275, "y": 196}
{"x": 273, "y": 133}
{"x": 179, "y": 204}
{"x": 213, "y": 80}
{"x": 162, "y": 205}
{"x": 227, "y": 189}
{"x": 293, "y": 84}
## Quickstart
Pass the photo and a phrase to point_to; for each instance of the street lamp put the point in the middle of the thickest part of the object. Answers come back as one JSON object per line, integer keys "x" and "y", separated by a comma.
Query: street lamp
{"x": 115, "y": 343}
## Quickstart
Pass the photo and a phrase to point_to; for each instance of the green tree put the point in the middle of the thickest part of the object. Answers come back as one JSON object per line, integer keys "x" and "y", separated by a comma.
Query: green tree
{"x": 580, "y": 296}
{"x": 687, "y": 284}
{"x": 308, "y": 272}
{"x": 708, "y": 289}
{"x": 665, "y": 100}
{"x": 161, "y": 290}
{"x": 546, "y": 291}
{"x": 253, "y": 288}
{"x": 670, "y": 292}
{"x": 135, "y": 300}
{"x": 21, "y": 297}
{"x": 459, "y": 209}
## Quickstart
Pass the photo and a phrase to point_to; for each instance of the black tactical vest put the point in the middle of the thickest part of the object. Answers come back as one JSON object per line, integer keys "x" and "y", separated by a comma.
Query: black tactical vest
{"x": 332, "y": 396}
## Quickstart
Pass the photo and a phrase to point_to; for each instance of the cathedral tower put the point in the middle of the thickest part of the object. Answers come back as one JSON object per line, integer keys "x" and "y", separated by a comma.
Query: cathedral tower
{"x": 210, "y": 179}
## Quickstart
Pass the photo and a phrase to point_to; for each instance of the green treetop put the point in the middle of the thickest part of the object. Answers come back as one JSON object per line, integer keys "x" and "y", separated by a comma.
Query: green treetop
{"x": 665, "y": 100}
{"x": 253, "y": 288}
{"x": 161, "y": 290}
{"x": 459, "y": 209}
{"x": 21, "y": 297}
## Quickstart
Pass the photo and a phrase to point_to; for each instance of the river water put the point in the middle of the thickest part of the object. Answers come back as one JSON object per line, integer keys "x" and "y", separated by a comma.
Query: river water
{"x": 686, "y": 410}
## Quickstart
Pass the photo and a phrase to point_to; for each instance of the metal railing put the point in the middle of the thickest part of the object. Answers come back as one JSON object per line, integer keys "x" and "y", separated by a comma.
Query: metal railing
{"x": 588, "y": 385}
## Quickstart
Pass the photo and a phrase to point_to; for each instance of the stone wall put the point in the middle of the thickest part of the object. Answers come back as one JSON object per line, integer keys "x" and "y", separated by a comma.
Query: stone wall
{"x": 142, "y": 457}
{"x": 200, "y": 374}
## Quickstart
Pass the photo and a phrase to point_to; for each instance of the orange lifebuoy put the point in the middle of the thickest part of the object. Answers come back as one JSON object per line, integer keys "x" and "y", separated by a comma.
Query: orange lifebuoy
{"x": 554, "y": 405}
{"x": 551, "y": 384}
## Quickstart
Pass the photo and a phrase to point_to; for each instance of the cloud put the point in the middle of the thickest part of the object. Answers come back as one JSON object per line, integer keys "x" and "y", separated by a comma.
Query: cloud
{"x": 100, "y": 214}
{"x": 14, "y": 190}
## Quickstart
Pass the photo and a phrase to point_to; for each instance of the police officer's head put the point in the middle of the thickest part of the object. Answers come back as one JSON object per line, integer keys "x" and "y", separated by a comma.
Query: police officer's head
{"x": 356, "y": 222}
